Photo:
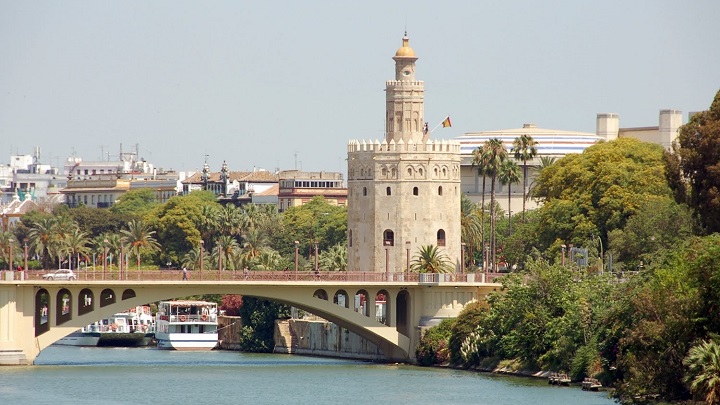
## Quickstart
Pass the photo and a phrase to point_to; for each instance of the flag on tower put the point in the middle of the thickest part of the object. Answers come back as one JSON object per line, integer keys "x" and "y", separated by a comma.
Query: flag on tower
{"x": 446, "y": 122}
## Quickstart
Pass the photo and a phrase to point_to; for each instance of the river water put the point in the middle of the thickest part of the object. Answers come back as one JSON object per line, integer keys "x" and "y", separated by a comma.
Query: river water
{"x": 77, "y": 375}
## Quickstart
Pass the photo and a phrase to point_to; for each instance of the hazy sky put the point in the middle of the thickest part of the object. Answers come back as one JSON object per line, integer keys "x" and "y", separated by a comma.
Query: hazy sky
{"x": 270, "y": 83}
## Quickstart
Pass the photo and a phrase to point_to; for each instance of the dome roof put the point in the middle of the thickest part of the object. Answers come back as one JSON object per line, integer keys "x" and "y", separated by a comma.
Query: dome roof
{"x": 405, "y": 51}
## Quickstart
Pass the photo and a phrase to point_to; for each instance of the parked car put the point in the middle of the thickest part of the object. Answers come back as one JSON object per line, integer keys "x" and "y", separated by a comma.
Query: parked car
{"x": 62, "y": 274}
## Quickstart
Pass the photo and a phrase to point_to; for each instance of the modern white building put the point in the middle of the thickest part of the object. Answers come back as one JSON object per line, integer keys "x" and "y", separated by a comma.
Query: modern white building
{"x": 403, "y": 191}
{"x": 553, "y": 143}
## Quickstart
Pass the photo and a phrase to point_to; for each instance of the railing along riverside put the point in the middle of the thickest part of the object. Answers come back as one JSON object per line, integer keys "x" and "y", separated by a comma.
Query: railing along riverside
{"x": 256, "y": 275}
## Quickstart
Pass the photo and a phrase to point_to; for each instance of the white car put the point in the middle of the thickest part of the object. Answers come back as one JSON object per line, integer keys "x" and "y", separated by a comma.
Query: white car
{"x": 62, "y": 274}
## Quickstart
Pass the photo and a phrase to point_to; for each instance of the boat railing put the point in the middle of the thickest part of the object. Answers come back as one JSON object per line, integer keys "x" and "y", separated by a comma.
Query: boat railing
{"x": 193, "y": 318}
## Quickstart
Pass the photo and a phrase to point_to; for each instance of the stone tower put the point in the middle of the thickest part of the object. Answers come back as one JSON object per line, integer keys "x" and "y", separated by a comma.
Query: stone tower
{"x": 403, "y": 192}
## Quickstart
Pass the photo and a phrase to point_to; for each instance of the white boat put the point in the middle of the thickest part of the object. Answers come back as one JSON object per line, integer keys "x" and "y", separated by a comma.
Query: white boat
{"x": 186, "y": 325}
{"x": 135, "y": 327}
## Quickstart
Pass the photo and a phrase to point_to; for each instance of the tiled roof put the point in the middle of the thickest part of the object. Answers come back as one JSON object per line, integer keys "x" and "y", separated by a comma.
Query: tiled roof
{"x": 273, "y": 190}
{"x": 260, "y": 176}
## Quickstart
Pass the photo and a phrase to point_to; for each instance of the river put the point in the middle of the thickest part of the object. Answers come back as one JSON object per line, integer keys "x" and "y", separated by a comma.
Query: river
{"x": 76, "y": 375}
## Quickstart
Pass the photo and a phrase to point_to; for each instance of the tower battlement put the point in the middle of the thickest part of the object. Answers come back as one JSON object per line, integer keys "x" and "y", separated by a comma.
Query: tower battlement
{"x": 433, "y": 146}
{"x": 418, "y": 83}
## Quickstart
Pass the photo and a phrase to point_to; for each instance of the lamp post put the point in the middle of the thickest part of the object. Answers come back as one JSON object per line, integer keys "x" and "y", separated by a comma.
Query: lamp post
{"x": 202, "y": 249}
{"x": 407, "y": 256}
{"x": 563, "y": 254}
{"x": 297, "y": 250}
{"x": 26, "y": 255}
{"x": 121, "y": 262}
{"x": 11, "y": 254}
{"x": 105, "y": 250}
{"x": 316, "y": 258}
{"x": 462, "y": 258}
{"x": 387, "y": 260}
{"x": 219, "y": 259}
{"x": 486, "y": 260}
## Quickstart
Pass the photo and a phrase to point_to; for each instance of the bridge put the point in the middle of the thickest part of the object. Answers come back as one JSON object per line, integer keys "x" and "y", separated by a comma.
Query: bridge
{"x": 34, "y": 313}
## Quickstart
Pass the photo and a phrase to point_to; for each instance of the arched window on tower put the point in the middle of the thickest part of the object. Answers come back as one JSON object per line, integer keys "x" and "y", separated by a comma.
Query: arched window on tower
{"x": 416, "y": 191}
{"x": 439, "y": 190}
{"x": 388, "y": 191}
{"x": 441, "y": 237}
{"x": 364, "y": 191}
{"x": 388, "y": 238}
{"x": 350, "y": 238}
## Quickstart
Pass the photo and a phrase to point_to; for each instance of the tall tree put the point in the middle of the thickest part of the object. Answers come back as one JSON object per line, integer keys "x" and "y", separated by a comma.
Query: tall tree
{"x": 76, "y": 245}
{"x": 524, "y": 149}
{"x": 497, "y": 154}
{"x": 508, "y": 175}
{"x": 699, "y": 141}
{"x": 470, "y": 226}
{"x": 480, "y": 160}
{"x": 43, "y": 238}
{"x": 140, "y": 239}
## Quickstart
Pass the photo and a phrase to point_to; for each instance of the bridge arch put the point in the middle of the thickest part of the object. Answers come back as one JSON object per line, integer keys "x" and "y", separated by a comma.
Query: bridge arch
{"x": 37, "y": 304}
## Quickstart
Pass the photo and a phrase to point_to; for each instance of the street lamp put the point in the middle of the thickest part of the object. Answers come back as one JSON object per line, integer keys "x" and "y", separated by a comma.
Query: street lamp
{"x": 297, "y": 249}
{"x": 563, "y": 254}
{"x": 202, "y": 249}
{"x": 105, "y": 250}
{"x": 219, "y": 259}
{"x": 121, "y": 262}
{"x": 26, "y": 255}
{"x": 11, "y": 253}
{"x": 316, "y": 258}
{"x": 407, "y": 258}
{"x": 387, "y": 260}
{"x": 486, "y": 259}
{"x": 462, "y": 257}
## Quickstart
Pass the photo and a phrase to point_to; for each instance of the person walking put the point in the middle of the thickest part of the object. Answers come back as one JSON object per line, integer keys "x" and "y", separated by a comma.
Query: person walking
{"x": 185, "y": 277}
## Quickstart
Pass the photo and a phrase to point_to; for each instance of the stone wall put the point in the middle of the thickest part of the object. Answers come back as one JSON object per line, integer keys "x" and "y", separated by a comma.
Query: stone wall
{"x": 229, "y": 332}
{"x": 322, "y": 338}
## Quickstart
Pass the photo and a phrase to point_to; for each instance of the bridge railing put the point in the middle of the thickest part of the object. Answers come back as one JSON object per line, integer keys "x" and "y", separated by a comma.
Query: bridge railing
{"x": 254, "y": 275}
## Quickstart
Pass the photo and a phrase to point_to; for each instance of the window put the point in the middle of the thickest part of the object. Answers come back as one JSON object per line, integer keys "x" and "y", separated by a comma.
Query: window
{"x": 350, "y": 238}
{"x": 388, "y": 191}
{"x": 364, "y": 191}
{"x": 415, "y": 191}
{"x": 441, "y": 237}
{"x": 440, "y": 190}
{"x": 388, "y": 238}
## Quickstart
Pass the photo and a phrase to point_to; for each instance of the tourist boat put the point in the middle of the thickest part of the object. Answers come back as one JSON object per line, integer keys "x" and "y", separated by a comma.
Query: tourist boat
{"x": 186, "y": 325}
{"x": 135, "y": 327}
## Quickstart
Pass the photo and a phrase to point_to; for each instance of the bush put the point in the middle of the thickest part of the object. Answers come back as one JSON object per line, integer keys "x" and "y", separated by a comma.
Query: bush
{"x": 433, "y": 347}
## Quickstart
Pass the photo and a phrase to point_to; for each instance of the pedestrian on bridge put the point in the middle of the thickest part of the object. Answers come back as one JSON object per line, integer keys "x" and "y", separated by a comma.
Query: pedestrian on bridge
{"x": 185, "y": 277}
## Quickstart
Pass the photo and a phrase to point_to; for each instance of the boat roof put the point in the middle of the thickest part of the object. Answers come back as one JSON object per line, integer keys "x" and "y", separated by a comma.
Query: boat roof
{"x": 187, "y": 302}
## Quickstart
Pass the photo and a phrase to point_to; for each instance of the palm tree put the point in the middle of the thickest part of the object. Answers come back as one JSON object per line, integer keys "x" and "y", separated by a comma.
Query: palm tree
{"x": 334, "y": 259}
{"x": 269, "y": 259}
{"x": 470, "y": 226}
{"x": 480, "y": 157}
{"x": 524, "y": 148}
{"x": 253, "y": 241}
{"x": 208, "y": 222}
{"x": 496, "y": 155}
{"x": 43, "y": 238}
{"x": 191, "y": 259}
{"x": 140, "y": 238}
{"x": 509, "y": 174}
{"x": 7, "y": 239}
{"x": 703, "y": 362}
{"x": 228, "y": 247}
{"x": 229, "y": 220}
{"x": 429, "y": 259}
{"x": 76, "y": 244}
